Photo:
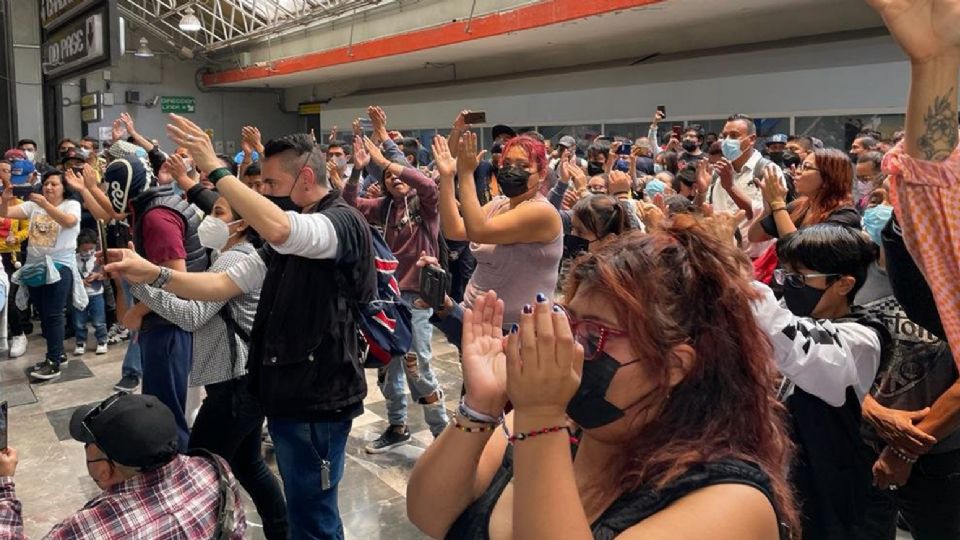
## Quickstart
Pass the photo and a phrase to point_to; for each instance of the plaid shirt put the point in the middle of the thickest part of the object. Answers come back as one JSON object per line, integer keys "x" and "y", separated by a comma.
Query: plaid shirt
{"x": 176, "y": 502}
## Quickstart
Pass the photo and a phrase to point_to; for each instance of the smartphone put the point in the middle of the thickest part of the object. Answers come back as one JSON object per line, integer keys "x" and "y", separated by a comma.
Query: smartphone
{"x": 663, "y": 110}
{"x": 3, "y": 425}
{"x": 678, "y": 131}
{"x": 365, "y": 124}
{"x": 434, "y": 282}
{"x": 475, "y": 117}
{"x": 625, "y": 149}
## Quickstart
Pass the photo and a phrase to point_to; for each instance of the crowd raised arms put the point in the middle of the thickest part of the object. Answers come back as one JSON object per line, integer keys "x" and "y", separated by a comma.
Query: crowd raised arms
{"x": 683, "y": 335}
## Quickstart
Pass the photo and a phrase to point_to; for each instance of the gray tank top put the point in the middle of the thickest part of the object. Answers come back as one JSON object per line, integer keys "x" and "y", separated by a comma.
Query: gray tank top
{"x": 516, "y": 271}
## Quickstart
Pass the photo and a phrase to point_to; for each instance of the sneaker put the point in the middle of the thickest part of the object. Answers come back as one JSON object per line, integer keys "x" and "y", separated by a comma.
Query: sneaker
{"x": 121, "y": 334}
{"x": 47, "y": 372}
{"x": 128, "y": 384}
{"x": 101, "y": 348}
{"x": 80, "y": 349}
{"x": 393, "y": 436}
{"x": 18, "y": 346}
{"x": 4, "y": 346}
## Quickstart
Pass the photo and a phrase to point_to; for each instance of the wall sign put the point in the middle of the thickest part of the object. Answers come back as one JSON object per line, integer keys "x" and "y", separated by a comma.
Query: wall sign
{"x": 53, "y": 13}
{"x": 83, "y": 42}
{"x": 90, "y": 115}
{"x": 178, "y": 104}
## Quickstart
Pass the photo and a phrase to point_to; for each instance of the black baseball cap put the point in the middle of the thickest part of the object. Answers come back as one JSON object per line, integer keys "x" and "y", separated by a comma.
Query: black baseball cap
{"x": 501, "y": 129}
{"x": 133, "y": 430}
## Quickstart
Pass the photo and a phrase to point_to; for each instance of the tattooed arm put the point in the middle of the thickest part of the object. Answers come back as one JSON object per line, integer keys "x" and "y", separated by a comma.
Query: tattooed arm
{"x": 931, "y": 130}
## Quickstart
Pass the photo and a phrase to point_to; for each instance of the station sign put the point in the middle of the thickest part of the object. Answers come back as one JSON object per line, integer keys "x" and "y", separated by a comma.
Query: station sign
{"x": 83, "y": 42}
{"x": 53, "y": 13}
{"x": 178, "y": 104}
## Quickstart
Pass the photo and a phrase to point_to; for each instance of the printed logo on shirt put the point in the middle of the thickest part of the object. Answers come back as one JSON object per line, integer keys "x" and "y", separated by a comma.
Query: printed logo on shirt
{"x": 43, "y": 231}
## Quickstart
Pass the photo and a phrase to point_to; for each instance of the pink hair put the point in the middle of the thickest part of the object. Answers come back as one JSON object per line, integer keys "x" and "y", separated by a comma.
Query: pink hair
{"x": 534, "y": 149}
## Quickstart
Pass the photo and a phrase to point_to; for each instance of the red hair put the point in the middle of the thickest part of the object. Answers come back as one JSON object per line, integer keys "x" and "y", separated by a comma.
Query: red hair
{"x": 535, "y": 150}
{"x": 683, "y": 286}
{"x": 836, "y": 170}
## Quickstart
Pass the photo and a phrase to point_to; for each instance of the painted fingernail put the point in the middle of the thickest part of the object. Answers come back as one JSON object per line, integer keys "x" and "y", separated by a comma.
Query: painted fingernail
{"x": 514, "y": 328}
{"x": 528, "y": 309}
{"x": 556, "y": 309}
{"x": 541, "y": 298}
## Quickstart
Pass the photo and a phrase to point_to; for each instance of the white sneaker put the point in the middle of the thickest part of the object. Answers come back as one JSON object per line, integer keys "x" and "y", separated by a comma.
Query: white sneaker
{"x": 18, "y": 346}
{"x": 80, "y": 350}
{"x": 4, "y": 345}
{"x": 101, "y": 348}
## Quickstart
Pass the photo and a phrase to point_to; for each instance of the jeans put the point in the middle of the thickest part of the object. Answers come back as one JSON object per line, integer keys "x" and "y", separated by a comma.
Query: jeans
{"x": 51, "y": 300}
{"x": 928, "y": 501}
{"x": 96, "y": 315}
{"x": 229, "y": 424}
{"x": 415, "y": 367}
{"x": 310, "y": 456}
{"x": 167, "y": 354}
{"x": 132, "y": 365}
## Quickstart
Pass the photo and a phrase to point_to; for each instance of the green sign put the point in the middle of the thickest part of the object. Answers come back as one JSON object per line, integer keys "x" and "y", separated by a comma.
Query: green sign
{"x": 178, "y": 104}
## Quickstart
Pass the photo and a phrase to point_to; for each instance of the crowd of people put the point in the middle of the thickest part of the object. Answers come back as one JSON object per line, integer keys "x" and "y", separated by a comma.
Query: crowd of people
{"x": 682, "y": 335}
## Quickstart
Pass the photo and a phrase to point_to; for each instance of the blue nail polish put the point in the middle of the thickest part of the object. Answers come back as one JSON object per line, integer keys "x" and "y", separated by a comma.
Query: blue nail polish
{"x": 514, "y": 328}
{"x": 556, "y": 309}
{"x": 528, "y": 309}
{"x": 541, "y": 297}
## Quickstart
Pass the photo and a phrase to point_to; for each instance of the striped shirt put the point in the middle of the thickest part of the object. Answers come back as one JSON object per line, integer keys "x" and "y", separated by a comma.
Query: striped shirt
{"x": 212, "y": 360}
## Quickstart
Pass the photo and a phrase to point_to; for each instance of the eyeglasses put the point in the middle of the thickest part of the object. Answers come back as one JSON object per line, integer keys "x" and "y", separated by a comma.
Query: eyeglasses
{"x": 591, "y": 335}
{"x": 795, "y": 280}
{"x": 99, "y": 409}
{"x": 804, "y": 167}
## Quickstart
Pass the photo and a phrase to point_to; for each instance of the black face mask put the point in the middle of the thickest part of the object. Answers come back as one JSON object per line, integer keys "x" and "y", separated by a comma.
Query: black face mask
{"x": 802, "y": 301}
{"x": 589, "y": 407}
{"x": 776, "y": 157}
{"x": 285, "y": 203}
{"x": 689, "y": 146}
{"x": 594, "y": 168}
{"x": 513, "y": 181}
{"x": 574, "y": 245}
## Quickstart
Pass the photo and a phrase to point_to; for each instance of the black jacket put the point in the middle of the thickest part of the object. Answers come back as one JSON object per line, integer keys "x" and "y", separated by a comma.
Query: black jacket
{"x": 304, "y": 362}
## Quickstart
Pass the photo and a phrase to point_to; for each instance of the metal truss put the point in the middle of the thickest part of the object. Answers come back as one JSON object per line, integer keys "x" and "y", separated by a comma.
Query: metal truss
{"x": 229, "y": 23}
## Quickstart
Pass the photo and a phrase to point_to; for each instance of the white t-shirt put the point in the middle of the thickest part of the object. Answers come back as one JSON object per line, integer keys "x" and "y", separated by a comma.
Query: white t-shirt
{"x": 47, "y": 237}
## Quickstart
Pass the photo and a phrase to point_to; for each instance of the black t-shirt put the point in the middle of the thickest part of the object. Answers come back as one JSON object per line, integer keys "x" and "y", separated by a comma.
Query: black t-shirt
{"x": 845, "y": 215}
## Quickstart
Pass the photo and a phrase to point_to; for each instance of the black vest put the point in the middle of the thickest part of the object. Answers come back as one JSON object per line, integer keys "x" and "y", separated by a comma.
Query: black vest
{"x": 304, "y": 362}
{"x": 197, "y": 259}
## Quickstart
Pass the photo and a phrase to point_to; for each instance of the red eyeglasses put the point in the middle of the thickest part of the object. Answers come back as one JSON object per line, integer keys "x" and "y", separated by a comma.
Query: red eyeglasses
{"x": 591, "y": 335}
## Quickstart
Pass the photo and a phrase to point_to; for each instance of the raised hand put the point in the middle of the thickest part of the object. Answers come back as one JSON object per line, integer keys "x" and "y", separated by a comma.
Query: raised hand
{"x": 330, "y": 138}
{"x": 73, "y": 180}
{"x": 723, "y": 225}
{"x": 570, "y": 198}
{"x": 378, "y": 121}
{"x": 185, "y": 133}
{"x": 724, "y": 169}
{"x": 771, "y": 187}
{"x": 360, "y": 156}
{"x": 117, "y": 130}
{"x": 374, "y": 191}
{"x": 704, "y": 176}
{"x": 39, "y": 200}
{"x": 544, "y": 363}
{"x": 376, "y": 156}
{"x": 251, "y": 138}
{"x": 131, "y": 266}
{"x": 459, "y": 124}
{"x": 446, "y": 163}
{"x": 658, "y": 116}
{"x": 925, "y": 29}
{"x": 484, "y": 361}
{"x": 127, "y": 122}
{"x": 467, "y": 157}
{"x": 333, "y": 175}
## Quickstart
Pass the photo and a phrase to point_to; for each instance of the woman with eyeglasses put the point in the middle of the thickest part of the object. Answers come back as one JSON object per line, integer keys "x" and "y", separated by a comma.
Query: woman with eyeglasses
{"x": 823, "y": 183}
{"x": 642, "y": 408}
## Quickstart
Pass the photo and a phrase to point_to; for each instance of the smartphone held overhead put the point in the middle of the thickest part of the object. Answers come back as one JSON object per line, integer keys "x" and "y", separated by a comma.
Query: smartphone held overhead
{"x": 475, "y": 117}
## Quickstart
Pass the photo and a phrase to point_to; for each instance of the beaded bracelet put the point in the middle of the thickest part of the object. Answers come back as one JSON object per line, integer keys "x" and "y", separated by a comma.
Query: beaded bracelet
{"x": 474, "y": 416}
{"x": 512, "y": 439}
{"x": 903, "y": 456}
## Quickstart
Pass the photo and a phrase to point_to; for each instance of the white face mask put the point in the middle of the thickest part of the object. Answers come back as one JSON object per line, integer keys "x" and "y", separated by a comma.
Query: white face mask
{"x": 31, "y": 155}
{"x": 214, "y": 233}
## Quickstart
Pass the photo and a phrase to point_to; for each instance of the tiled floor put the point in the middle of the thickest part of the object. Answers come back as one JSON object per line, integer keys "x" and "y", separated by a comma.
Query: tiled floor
{"x": 52, "y": 481}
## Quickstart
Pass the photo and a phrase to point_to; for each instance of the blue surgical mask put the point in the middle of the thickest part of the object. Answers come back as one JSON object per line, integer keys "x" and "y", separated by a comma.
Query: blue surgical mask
{"x": 731, "y": 149}
{"x": 657, "y": 168}
{"x": 875, "y": 219}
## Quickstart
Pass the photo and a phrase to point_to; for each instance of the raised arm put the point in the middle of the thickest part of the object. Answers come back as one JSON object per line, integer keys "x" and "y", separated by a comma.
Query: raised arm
{"x": 90, "y": 200}
{"x": 245, "y": 276}
{"x": 7, "y": 211}
{"x": 450, "y": 220}
{"x": 523, "y": 224}
{"x": 66, "y": 219}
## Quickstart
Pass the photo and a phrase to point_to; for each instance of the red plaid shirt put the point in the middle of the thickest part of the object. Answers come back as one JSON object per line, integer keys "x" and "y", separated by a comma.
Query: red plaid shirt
{"x": 176, "y": 502}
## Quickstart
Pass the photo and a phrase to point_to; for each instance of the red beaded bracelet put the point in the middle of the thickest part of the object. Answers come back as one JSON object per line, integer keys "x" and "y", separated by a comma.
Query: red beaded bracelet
{"x": 530, "y": 434}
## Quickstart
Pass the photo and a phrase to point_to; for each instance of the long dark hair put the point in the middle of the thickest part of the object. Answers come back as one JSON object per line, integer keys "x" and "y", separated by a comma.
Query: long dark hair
{"x": 836, "y": 170}
{"x": 602, "y": 215}
{"x": 682, "y": 285}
